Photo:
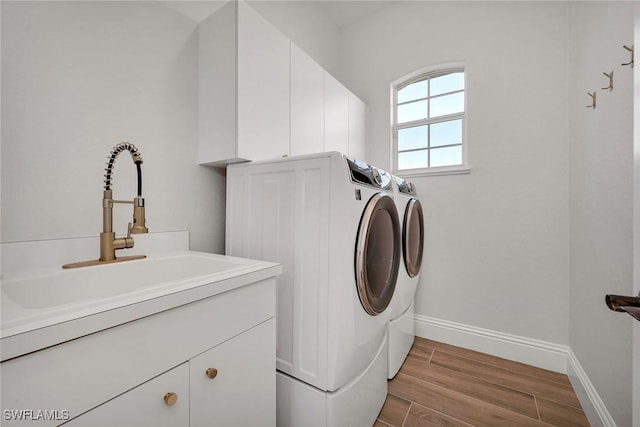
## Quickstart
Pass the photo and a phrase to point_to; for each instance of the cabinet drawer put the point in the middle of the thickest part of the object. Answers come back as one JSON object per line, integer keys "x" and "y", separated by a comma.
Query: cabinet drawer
{"x": 145, "y": 405}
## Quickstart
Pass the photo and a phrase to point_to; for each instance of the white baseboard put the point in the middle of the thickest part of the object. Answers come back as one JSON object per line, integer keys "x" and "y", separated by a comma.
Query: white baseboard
{"x": 590, "y": 400}
{"x": 543, "y": 354}
{"x": 538, "y": 353}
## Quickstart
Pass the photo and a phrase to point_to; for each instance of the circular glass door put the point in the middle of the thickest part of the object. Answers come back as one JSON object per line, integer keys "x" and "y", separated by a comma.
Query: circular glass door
{"x": 378, "y": 252}
{"x": 413, "y": 237}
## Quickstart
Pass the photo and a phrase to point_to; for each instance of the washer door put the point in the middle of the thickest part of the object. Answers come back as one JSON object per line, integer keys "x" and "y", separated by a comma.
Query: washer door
{"x": 413, "y": 237}
{"x": 377, "y": 257}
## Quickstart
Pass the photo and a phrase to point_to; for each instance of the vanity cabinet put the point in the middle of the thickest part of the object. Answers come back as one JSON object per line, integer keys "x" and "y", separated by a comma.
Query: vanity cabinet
{"x": 216, "y": 355}
{"x": 218, "y": 385}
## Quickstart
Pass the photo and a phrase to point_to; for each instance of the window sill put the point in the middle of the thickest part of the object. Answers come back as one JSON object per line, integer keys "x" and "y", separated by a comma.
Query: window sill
{"x": 439, "y": 171}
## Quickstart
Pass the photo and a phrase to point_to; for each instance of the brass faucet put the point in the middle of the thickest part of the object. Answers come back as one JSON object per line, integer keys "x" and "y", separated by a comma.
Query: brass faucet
{"x": 109, "y": 243}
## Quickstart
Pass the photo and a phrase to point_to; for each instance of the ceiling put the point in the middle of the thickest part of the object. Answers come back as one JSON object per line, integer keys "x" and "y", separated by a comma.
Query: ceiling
{"x": 342, "y": 12}
{"x": 345, "y": 12}
{"x": 194, "y": 9}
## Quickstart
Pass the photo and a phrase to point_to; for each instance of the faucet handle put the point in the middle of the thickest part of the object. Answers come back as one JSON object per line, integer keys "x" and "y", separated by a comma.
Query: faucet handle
{"x": 129, "y": 230}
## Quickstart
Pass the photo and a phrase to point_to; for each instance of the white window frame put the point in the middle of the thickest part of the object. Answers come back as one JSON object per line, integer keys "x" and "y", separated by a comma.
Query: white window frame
{"x": 428, "y": 72}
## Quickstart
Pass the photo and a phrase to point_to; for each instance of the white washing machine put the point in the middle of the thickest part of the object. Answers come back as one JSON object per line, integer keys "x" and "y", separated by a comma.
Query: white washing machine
{"x": 332, "y": 223}
{"x": 402, "y": 323}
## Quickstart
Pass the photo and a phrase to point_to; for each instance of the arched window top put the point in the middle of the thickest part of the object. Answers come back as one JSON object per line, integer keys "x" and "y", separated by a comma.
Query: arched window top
{"x": 428, "y": 122}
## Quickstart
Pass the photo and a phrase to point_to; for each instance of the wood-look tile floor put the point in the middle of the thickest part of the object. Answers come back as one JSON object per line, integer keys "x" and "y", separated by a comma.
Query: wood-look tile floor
{"x": 443, "y": 385}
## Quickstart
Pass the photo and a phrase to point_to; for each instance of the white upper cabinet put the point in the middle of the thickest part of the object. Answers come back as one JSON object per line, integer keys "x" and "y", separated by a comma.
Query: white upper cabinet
{"x": 357, "y": 127}
{"x": 263, "y": 87}
{"x": 243, "y": 83}
{"x": 336, "y": 115}
{"x": 262, "y": 97}
{"x": 307, "y": 104}
{"x": 325, "y": 115}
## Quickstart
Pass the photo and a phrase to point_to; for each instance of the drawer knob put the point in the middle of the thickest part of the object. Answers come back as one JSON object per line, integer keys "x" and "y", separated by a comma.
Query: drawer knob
{"x": 212, "y": 373}
{"x": 170, "y": 399}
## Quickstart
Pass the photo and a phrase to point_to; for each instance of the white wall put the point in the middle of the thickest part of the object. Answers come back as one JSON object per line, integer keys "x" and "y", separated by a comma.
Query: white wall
{"x": 497, "y": 244}
{"x": 602, "y": 198}
{"x": 308, "y": 26}
{"x": 79, "y": 77}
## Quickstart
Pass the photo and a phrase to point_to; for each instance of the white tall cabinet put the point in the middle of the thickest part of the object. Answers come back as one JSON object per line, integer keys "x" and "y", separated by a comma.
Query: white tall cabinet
{"x": 243, "y": 84}
{"x": 263, "y": 87}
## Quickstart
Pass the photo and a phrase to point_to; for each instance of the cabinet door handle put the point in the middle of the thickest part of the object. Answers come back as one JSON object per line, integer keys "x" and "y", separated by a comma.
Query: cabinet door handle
{"x": 170, "y": 398}
{"x": 212, "y": 373}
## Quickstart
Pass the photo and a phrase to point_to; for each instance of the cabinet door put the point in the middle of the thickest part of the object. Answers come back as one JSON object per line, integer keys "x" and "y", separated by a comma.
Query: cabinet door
{"x": 307, "y": 104}
{"x": 233, "y": 384}
{"x": 146, "y": 405}
{"x": 336, "y": 115}
{"x": 263, "y": 87}
{"x": 357, "y": 127}
{"x": 217, "y": 74}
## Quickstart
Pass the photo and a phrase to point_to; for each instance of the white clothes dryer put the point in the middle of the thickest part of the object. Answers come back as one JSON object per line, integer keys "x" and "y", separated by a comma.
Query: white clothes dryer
{"x": 332, "y": 223}
{"x": 402, "y": 324}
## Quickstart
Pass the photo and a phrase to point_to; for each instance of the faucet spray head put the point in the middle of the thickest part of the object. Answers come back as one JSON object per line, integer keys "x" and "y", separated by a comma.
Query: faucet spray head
{"x": 139, "y": 225}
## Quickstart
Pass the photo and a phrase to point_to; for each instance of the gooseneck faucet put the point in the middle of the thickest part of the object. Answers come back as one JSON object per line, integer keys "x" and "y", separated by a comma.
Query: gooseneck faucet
{"x": 109, "y": 243}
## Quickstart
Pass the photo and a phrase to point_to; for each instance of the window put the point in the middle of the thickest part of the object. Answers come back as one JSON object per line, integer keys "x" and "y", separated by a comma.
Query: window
{"x": 428, "y": 128}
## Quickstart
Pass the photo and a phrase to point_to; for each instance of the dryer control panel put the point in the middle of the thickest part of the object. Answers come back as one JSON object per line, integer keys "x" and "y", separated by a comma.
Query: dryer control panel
{"x": 363, "y": 173}
{"x": 405, "y": 186}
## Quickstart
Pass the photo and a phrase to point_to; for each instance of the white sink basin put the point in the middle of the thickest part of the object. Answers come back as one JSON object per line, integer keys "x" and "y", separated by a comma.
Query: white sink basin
{"x": 108, "y": 280}
{"x": 47, "y": 309}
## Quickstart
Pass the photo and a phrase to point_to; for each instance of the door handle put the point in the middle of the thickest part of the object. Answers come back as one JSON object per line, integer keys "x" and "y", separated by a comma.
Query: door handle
{"x": 626, "y": 304}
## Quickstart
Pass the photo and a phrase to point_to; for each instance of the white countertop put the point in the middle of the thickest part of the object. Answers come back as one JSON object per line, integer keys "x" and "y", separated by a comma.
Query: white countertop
{"x": 91, "y": 299}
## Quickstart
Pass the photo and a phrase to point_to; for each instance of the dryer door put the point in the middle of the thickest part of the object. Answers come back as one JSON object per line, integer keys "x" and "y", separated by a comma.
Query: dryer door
{"x": 413, "y": 237}
{"x": 378, "y": 250}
